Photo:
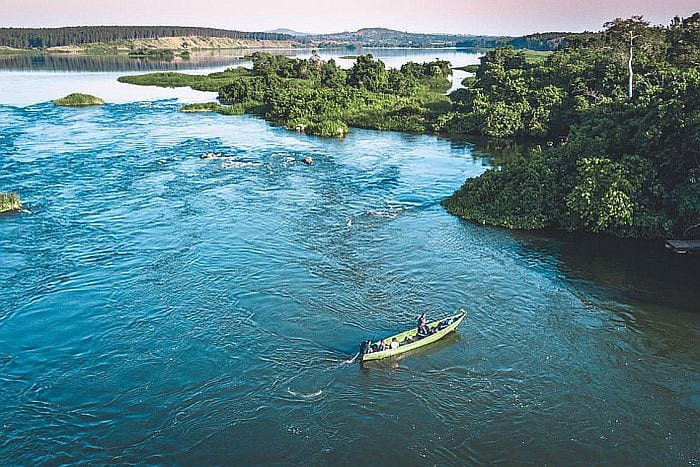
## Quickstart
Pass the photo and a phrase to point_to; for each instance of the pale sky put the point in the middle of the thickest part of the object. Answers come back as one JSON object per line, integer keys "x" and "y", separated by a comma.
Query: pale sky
{"x": 491, "y": 17}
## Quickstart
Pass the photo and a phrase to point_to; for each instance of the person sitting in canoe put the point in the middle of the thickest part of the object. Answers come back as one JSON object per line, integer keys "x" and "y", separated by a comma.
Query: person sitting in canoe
{"x": 395, "y": 343}
{"x": 443, "y": 324}
{"x": 382, "y": 346}
{"x": 423, "y": 325}
{"x": 366, "y": 347}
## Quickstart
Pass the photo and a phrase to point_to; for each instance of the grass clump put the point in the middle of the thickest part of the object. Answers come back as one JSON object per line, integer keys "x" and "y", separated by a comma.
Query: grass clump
{"x": 201, "y": 108}
{"x": 153, "y": 54}
{"x": 211, "y": 82}
{"x": 9, "y": 202}
{"x": 78, "y": 100}
{"x": 207, "y": 107}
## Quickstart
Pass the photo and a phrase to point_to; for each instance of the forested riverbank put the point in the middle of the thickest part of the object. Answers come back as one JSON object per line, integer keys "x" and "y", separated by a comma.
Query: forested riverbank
{"x": 625, "y": 155}
{"x": 622, "y": 145}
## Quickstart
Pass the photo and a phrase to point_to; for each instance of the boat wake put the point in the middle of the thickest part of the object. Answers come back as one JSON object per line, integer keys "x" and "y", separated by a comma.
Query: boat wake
{"x": 311, "y": 395}
{"x": 353, "y": 359}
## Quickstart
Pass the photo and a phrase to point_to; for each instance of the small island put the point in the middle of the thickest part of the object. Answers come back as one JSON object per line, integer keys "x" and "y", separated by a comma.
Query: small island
{"x": 78, "y": 100}
{"x": 9, "y": 202}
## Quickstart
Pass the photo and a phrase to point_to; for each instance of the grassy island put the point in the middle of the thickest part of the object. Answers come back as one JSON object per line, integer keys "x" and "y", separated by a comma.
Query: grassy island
{"x": 78, "y": 100}
{"x": 9, "y": 202}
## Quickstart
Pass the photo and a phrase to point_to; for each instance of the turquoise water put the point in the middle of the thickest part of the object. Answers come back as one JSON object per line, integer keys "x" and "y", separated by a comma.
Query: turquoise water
{"x": 157, "y": 307}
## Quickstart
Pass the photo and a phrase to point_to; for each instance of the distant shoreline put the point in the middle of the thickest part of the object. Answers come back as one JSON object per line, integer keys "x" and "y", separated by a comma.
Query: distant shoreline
{"x": 119, "y": 49}
{"x": 177, "y": 45}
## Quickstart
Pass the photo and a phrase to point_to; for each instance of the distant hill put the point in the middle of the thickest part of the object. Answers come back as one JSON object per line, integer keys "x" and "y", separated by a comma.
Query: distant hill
{"x": 44, "y": 38}
{"x": 77, "y": 35}
{"x": 538, "y": 41}
{"x": 289, "y": 32}
{"x": 382, "y": 37}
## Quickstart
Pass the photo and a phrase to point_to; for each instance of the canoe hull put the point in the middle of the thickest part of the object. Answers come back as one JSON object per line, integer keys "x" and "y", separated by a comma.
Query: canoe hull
{"x": 416, "y": 344}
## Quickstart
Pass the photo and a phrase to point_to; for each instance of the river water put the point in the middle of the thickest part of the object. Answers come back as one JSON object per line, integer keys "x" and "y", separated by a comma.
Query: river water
{"x": 156, "y": 307}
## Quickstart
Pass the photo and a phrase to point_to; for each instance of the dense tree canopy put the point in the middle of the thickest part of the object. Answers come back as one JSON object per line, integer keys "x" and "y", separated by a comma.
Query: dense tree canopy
{"x": 318, "y": 97}
{"x": 625, "y": 166}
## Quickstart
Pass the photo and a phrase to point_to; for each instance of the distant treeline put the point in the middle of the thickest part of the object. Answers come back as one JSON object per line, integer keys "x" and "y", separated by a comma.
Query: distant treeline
{"x": 76, "y": 35}
{"x": 539, "y": 41}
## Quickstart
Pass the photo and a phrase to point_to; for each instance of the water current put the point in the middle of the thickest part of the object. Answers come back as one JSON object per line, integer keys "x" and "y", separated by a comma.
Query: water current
{"x": 156, "y": 307}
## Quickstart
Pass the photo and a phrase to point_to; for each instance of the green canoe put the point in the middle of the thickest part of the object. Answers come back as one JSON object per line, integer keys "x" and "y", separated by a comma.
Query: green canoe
{"x": 410, "y": 339}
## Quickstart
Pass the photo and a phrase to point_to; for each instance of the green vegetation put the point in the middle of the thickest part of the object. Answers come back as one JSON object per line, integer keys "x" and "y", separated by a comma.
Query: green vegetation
{"x": 201, "y": 108}
{"x": 9, "y": 202}
{"x": 211, "y": 82}
{"x": 78, "y": 100}
{"x": 153, "y": 54}
{"x": 620, "y": 160}
{"x": 39, "y": 38}
{"x": 320, "y": 98}
{"x": 535, "y": 56}
{"x": 467, "y": 68}
{"x": 530, "y": 56}
{"x": 538, "y": 41}
{"x": 620, "y": 164}
{"x": 213, "y": 107}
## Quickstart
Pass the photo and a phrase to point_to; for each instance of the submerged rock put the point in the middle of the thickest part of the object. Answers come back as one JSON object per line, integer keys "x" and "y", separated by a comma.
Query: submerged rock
{"x": 211, "y": 155}
{"x": 240, "y": 164}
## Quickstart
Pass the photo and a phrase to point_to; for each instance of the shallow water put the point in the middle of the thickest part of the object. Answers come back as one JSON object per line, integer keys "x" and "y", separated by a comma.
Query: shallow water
{"x": 157, "y": 307}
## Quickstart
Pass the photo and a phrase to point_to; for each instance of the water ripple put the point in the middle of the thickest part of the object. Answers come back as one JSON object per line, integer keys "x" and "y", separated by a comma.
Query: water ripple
{"x": 162, "y": 308}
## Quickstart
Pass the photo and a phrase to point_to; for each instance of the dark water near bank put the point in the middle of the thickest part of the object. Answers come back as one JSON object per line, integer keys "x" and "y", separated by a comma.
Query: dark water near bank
{"x": 160, "y": 308}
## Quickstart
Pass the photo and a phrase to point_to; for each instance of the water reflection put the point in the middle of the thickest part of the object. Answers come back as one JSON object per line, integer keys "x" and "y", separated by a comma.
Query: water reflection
{"x": 97, "y": 63}
{"x": 218, "y": 59}
{"x": 640, "y": 273}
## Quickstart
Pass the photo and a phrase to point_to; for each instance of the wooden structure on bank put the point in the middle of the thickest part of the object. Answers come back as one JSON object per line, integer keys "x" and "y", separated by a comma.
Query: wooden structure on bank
{"x": 683, "y": 246}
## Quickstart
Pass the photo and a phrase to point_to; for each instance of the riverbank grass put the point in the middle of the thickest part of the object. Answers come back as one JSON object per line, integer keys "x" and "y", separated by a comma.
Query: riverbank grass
{"x": 213, "y": 107}
{"x": 201, "y": 108}
{"x": 9, "y": 202}
{"x": 169, "y": 79}
{"x": 78, "y": 100}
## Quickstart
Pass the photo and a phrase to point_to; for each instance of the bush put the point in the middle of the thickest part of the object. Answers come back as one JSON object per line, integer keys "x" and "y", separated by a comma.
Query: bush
{"x": 9, "y": 202}
{"x": 78, "y": 100}
{"x": 201, "y": 108}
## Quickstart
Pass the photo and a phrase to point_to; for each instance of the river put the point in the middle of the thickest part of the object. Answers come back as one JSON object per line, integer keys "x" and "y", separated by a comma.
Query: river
{"x": 156, "y": 307}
